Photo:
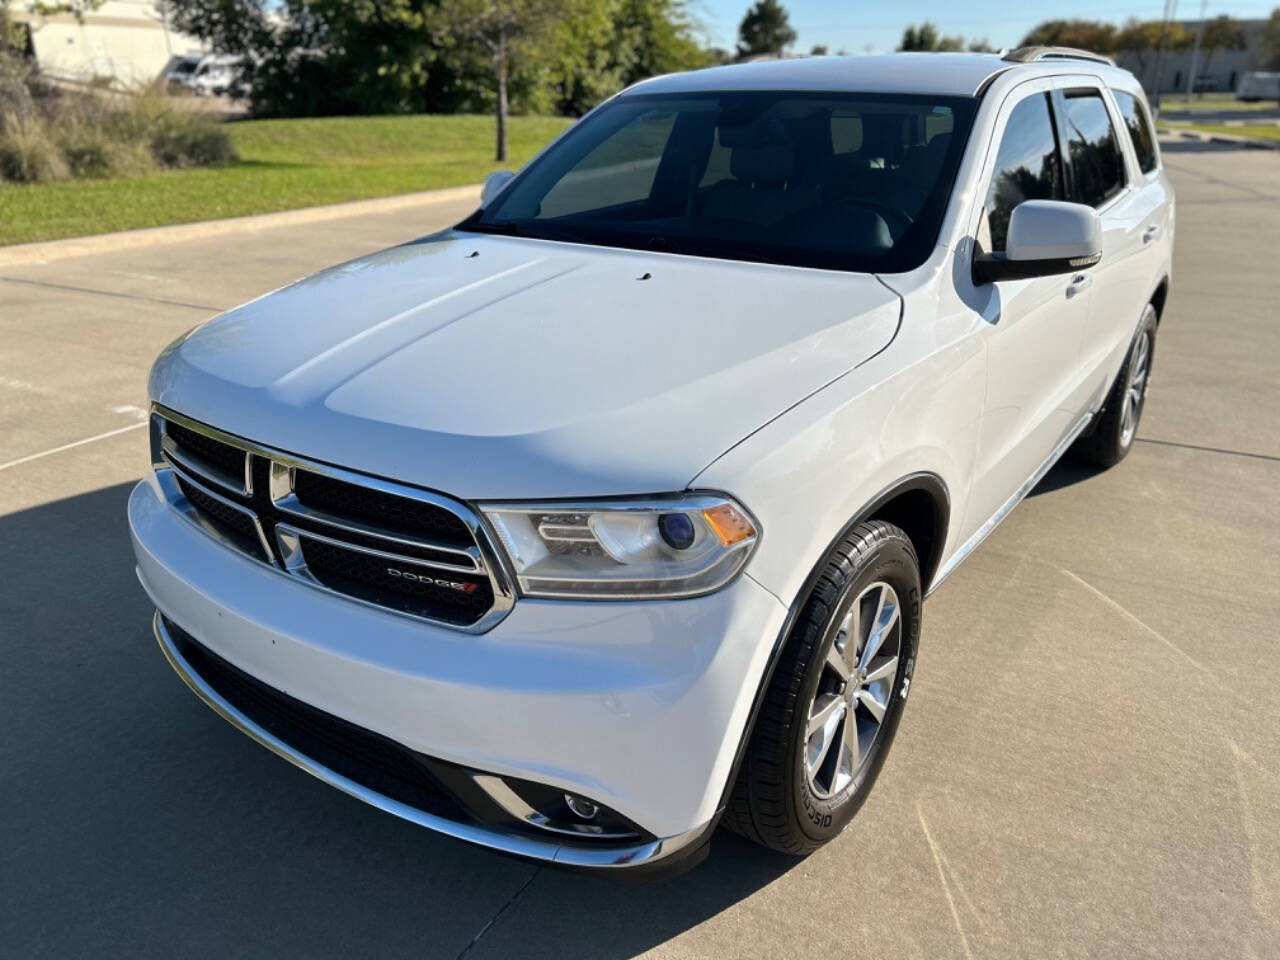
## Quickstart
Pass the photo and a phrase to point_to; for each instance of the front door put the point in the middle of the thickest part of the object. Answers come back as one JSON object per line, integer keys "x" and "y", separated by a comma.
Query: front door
{"x": 1034, "y": 328}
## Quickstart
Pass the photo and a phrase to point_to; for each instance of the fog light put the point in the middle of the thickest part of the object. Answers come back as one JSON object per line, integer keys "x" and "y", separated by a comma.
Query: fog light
{"x": 581, "y": 807}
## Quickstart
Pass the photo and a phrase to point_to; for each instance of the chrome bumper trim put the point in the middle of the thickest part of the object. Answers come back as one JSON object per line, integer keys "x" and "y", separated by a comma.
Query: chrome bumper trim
{"x": 604, "y": 858}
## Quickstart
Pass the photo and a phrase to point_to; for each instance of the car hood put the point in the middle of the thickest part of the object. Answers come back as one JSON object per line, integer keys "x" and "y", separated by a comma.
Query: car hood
{"x": 500, "y": 367}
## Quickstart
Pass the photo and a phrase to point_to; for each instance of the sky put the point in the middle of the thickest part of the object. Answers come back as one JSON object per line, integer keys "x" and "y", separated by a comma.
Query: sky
{"x": 853, "y": 27}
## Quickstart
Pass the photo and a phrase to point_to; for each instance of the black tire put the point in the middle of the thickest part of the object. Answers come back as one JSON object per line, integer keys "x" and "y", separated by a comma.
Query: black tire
{"x": 1109, "y": 440}
{"x": 773, "y": 801}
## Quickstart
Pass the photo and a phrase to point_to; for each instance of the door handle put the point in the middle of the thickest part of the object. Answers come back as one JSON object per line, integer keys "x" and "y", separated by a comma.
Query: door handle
{"x": 1079, "y": 284}
{"x": 1150, "y": 233}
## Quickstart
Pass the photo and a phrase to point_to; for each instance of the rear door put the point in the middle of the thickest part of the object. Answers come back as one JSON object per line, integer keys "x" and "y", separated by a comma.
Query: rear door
{"x": 1033, "y": 327}
{"x": 1101, "y": 173}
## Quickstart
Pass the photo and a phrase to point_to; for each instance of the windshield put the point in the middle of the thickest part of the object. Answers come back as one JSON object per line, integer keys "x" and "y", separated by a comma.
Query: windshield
{"x": 838, "y": 181}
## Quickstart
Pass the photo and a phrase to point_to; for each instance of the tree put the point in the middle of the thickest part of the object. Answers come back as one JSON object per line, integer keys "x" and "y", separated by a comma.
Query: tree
{"x": 1220, "y": 33}
{"x": 766, "y": 29}
{"x": 818, "y": 50}
{"x": 316, "y": 57}
{"x": 926, "y": 38}
{"x": 1083, "y": 34}
{"x": 1142, "y": 38}
{"x": 981, "y": 46}
{"x": 1270, "y": 41}
{"x": 506, "y": 32}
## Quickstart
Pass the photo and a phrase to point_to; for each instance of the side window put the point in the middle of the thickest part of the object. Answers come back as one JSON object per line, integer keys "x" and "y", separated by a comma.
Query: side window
{"x": 1027, "y": 168}
{"x": 1135, "y": 118}
{"x": 1093, "y": 152}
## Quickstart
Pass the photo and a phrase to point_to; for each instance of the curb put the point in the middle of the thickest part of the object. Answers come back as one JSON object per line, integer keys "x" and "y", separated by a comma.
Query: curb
{"x": 1249, "y": 143}
{"x": 47, "y": 251}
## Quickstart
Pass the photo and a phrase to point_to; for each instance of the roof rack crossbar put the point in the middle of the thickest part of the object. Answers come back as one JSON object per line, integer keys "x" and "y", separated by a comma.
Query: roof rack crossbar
{"x": 1037, "y": 53}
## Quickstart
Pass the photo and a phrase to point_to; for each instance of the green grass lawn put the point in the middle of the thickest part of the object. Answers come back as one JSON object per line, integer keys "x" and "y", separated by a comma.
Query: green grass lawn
{"x": 284, "y": 164}
{"x": 1211, "y": 103}
{"x": 1255, "y": 131}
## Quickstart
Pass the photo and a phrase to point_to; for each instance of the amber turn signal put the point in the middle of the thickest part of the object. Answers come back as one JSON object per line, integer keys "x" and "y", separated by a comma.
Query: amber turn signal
{"x": 728, "y": 523}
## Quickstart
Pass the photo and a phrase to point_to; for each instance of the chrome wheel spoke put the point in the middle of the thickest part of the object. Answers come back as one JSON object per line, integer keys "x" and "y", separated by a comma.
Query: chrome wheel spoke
{"x": 874, "y": 706}
{"x": 824, "y": 707}
{"x": 886, "y": 669}
{"x": 824, "y": 728}
{"x": 850, "y": 748}
{"x": 885, "y": 618}
{"x": 837, "y": 662}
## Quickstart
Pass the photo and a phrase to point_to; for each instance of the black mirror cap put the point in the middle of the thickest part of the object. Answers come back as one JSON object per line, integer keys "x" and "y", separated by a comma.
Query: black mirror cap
{"x": 992, "y": 267}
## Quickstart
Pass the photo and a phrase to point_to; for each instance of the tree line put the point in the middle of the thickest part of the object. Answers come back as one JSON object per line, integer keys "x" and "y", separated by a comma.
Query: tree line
{"x": 326, "y": 57}
{"x": 332, "y": 57}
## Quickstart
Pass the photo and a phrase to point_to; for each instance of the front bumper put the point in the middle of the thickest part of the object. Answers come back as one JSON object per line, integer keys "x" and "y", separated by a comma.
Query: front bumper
{"x": 639, "y": 706}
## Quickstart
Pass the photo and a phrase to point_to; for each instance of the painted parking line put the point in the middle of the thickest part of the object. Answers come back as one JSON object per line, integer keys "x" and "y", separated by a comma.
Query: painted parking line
{"x": 70, "y": 446}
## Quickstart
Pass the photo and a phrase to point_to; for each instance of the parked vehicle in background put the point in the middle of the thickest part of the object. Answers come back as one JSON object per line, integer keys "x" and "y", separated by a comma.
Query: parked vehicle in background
{"x": 1258, "y": 85}
{"x": 610, "y": 512}
{"x": 176, "y": 76}
{"x": 218, "y": 75}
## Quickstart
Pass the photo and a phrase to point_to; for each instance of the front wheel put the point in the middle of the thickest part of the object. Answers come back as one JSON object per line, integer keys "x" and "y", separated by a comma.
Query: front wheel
{"x": 836, "y": 696}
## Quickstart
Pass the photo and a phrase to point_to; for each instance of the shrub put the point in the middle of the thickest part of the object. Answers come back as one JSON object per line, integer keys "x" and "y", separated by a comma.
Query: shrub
{"x": 183, "y": 138}
{"x": 27, "y": 154}
{"x": 98, "y": 135}
{"x": 15, "y": 93}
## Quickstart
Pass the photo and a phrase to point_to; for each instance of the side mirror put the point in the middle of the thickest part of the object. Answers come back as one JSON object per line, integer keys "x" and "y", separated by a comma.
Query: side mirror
{"x": 1046, "y": 237}
{"x": 493, "y": 185}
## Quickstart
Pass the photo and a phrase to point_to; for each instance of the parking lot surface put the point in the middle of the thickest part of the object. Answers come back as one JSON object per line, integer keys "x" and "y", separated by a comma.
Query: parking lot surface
{"x": 1090, "y": 764}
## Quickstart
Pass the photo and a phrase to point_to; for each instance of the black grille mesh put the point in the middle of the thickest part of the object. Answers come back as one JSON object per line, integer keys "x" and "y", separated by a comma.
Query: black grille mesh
{"x": 222, "y": 456}
{"x": 365, "y": 576}
{"x": 231, "y": 523}
{"x": 368, "y": 758}
{"x": 386, "y": 509}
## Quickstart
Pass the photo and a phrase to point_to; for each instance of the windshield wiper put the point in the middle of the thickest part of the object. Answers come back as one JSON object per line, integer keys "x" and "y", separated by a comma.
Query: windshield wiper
{"x": 525, "y": 228}
{"x": 508, "y": 228}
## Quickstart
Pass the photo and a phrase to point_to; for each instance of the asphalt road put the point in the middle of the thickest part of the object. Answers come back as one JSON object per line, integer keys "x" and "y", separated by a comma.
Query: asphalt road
{"x": 1090, "y": 764}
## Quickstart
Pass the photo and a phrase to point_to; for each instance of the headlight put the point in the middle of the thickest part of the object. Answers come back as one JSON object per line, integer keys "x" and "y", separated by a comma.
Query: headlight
{"x": 676, "y": 546}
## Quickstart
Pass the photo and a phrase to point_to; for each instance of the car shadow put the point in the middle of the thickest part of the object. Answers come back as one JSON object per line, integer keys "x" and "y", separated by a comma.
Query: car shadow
{"x": 141, "y": 824}
{"x": 1064, "y": 473}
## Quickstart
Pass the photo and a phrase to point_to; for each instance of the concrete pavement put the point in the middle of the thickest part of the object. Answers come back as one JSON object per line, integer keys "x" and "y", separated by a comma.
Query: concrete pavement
{"x": 1090, "y": 765}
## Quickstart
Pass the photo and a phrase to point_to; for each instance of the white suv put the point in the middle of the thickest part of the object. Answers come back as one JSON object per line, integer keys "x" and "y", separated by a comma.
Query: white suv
{"x": 609, "y": 513}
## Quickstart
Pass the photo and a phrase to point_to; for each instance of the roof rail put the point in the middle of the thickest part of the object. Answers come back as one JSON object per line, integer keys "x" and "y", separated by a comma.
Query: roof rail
{"x": 1034, "y": 54}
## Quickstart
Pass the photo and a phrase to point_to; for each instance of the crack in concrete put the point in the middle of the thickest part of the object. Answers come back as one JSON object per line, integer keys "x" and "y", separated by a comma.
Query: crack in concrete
{"x": 72, "y": 288}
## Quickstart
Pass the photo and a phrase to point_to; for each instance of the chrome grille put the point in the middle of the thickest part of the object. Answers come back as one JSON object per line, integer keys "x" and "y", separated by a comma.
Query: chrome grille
{"x": 397, "y": 547}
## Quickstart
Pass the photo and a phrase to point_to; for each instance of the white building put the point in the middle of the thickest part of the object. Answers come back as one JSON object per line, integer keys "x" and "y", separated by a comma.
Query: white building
{"x": 127, "y": 42}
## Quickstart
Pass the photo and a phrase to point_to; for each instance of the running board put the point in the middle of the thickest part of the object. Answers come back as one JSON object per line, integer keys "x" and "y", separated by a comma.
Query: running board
{"x": 1006, "y": 508}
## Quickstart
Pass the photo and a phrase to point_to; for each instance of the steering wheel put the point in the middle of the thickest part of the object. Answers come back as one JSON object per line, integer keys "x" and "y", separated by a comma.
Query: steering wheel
{"x": 903, "y": 218}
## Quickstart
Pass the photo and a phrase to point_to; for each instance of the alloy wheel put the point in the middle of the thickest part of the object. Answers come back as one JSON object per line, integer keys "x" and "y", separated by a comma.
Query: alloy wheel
{"x": 1136, "y": 388}
{"x": 848, "y": 710}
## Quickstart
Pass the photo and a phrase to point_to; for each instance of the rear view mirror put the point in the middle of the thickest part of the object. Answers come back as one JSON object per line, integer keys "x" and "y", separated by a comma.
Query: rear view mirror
{"x": 493, "y": 185}
{"x": 1046, "y": 237}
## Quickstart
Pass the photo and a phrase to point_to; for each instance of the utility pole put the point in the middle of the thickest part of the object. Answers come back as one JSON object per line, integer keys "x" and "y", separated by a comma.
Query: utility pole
{"x": 1195, "y": 52}
{"x": 1170, "y": 11}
